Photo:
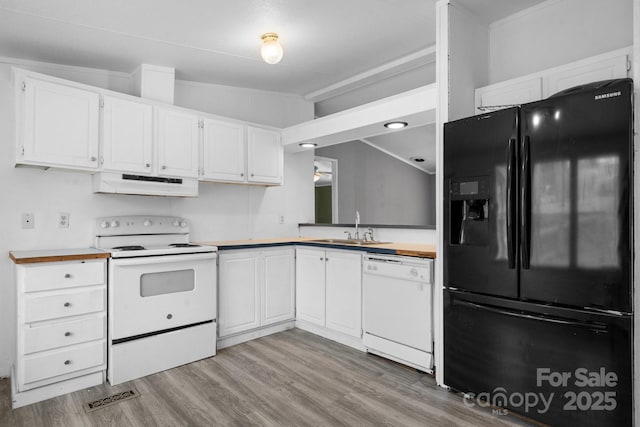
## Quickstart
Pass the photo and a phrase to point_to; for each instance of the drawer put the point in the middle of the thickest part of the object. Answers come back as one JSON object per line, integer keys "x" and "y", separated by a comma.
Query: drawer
{"x": 63, "y": 304}
{"x": 62, "y": 334}
{"x": 59, "y": 275}
{"x": 65, "y": 361}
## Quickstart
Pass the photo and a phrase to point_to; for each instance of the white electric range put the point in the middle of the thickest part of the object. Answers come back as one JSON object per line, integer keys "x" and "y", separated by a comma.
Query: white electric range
{"x": 162, "y": 295}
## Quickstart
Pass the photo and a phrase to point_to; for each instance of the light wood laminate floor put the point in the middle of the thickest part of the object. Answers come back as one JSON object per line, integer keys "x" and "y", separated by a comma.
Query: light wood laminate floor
{"x": 292, "y": 378}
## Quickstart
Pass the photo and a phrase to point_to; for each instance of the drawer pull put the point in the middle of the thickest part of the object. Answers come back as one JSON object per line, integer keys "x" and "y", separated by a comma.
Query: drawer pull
{"x": 169, "y": 316}
{"x": 67, "y": 276}
{"x": 67, "y": 362}
{"x": 67, "y": 334}
{"x": 67, "y": 304}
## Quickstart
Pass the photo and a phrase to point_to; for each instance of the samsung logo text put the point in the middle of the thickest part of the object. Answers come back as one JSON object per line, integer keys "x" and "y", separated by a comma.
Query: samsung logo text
{"x": 607, "y": 95}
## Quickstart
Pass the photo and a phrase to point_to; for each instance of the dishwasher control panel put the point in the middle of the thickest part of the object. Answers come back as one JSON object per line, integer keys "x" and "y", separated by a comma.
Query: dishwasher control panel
{"x": 406, "y": 268}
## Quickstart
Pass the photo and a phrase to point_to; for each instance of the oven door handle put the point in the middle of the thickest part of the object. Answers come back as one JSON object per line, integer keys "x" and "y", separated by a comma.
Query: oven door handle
{"x": 162, "y": 259}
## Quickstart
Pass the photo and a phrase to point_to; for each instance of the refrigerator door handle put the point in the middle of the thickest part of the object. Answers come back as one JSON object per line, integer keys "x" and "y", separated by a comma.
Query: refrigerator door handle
{"x": 511, "y": 203}
{"x": 597, "y": 327}
{"x": 525, "y": 205}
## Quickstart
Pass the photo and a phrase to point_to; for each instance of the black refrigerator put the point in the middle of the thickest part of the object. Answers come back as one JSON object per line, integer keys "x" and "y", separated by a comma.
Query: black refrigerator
{"x": 538, "y": 257}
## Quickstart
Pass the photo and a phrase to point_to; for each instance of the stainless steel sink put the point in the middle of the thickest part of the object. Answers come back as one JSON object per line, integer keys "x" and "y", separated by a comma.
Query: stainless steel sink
{"x": 348, "y": 241}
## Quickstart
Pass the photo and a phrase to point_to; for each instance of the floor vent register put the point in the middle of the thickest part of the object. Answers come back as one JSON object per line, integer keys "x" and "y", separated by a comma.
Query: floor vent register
{"x": 110, "y": 400}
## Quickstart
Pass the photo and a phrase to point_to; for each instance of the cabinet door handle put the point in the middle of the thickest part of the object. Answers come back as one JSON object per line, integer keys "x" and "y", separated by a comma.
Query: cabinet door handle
{"x": 67, "y": 362}
{"x": 321, "y": 259}
{"x": 242, "y": 174}
{"x": 67, "y": 276}
{"x": 164, "y": 167}
{"x": 67, "y": 304}
{"x": 67, "y": 334}
{"x": 147, "y": 165}
{"x": 252, "y": 175}
{"x": 93, "y": 158}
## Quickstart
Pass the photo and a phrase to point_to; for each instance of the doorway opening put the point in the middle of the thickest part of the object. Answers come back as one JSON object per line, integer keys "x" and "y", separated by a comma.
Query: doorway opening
{"x": 325, "y": 177}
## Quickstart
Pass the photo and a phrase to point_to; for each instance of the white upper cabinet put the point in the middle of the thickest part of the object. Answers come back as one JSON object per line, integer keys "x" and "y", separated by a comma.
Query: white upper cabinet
{"x": 265, "y": 156}
{"x": 64, "y": 124}
{"x": 57, "y": 125}
{"x": 127, "y": 136}
{"x": 177, "y": 137}
{"x": 235, "y": 152}
{"x": 581, "y": 73}
{"x": 223, "y": 151}
{"x": 537, "y": 86}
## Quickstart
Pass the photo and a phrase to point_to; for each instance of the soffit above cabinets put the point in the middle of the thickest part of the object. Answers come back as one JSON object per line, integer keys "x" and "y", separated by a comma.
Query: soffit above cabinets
{"x": 416, "y": 107}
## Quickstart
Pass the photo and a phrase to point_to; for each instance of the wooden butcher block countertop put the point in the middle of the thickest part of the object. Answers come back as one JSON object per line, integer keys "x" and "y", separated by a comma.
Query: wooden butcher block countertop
{"x": 54, "y": 255}
{"x": 406, "y": 249}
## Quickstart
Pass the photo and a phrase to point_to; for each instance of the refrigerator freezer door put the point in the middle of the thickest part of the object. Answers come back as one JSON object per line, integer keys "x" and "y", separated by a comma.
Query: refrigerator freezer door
{"x": 559, "y": 366}
{"x": 576, "y": 171}
{"x": 480, "y": 243}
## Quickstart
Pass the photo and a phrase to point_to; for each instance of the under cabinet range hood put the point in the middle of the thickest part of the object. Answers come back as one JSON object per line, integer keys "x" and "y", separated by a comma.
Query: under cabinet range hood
{"x": 119, "y": 183}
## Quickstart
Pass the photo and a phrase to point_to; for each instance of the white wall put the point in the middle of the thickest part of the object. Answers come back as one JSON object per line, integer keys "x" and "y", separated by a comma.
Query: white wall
{"x": 557, "y": 32}
{"x": 221, "y": 212}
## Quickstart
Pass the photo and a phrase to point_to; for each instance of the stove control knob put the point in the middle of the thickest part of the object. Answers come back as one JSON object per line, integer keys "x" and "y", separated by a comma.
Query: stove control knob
{"x": 183, "y": 224}
{"x": 115, "y": 223}
{"x": 104, "y": 224}
{"x": 147, "y": 222}
{"x": 176, "y": 223}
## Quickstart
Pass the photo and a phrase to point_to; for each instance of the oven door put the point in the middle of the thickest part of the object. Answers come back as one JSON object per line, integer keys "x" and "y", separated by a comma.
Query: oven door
{"x": 148, "y": 295}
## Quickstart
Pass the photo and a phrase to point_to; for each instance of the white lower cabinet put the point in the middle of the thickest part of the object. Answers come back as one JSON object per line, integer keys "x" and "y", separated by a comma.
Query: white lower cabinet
{"x": 256, "y": 289}
{"x": 60, "y": 329}
{"x": 329, "y": 289}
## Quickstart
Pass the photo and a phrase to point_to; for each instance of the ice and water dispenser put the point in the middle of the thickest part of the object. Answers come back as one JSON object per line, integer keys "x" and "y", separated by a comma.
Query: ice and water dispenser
{"x": 469, "y": 211}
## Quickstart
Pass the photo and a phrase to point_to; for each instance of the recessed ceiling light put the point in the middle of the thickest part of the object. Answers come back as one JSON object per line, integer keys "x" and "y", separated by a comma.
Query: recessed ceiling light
{"x": 417, "y": 159}
{"x": 395, "y": 125}
{"x": 307, "y": 145}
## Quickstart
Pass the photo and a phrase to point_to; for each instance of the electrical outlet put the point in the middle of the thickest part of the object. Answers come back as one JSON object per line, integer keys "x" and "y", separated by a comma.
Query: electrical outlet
{"x": 28, "y": 220}
{"x": 63, "y": 220}
{"x": 281, "y": 219}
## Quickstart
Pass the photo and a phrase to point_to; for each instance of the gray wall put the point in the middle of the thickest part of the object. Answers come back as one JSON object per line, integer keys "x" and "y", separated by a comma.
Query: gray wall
{"x": 384, "y": 189}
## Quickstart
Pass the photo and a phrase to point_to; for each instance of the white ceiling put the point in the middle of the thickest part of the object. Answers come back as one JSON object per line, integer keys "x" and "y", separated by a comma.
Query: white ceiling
{"x": 409, "y": 143}
{"x": 217, "y": 41}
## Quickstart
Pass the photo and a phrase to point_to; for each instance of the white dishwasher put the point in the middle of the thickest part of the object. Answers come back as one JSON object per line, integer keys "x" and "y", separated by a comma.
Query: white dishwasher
{"x": 398, "y": 309}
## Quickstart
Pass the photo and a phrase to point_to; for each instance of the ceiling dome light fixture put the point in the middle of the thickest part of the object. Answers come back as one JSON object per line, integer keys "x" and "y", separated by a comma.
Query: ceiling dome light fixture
{"x": 307, "y": 145}
{"x": 271, "y": 49}
{"x": 395, "y": 125}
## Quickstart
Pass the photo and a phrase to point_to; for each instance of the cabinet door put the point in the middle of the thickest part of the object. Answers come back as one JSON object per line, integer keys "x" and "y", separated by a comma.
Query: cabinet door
{"x": 344, "y": 292}
{"x": 310, "y": 292}
{"x": 59, "y": 125}
{"x": 578, "y": 74}
{"x": 177, "y": 143}
{"x": 265, "y": 156}
{"x": 223, "y": 148}
{"x": 278, "y": 291}
{"x": 239, "y": 308}
{"x": 509, "y": 93}
{"x": 127, "y": 135}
